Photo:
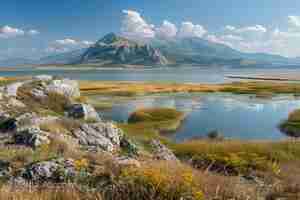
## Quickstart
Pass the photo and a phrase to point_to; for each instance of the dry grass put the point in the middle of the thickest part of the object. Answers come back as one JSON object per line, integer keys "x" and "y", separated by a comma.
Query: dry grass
{"x": 67, "y": 192}
{"x": 261, "y": 88}
{"x": 281, "y": 150}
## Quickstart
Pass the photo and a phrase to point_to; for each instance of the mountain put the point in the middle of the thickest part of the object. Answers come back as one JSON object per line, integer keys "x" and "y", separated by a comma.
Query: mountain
{"x": 71, "y": 57}
{"x": 113, "y": 49}
{"x": 15, "y": 62}
{"x": 200, "y": 51}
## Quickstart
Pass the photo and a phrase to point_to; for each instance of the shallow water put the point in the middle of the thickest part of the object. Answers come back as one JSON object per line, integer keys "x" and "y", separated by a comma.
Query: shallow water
{"x": 236, "y": 116}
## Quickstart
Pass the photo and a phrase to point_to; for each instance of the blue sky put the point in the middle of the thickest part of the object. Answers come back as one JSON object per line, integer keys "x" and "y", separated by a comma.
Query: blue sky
{"x": 34, "y": 28}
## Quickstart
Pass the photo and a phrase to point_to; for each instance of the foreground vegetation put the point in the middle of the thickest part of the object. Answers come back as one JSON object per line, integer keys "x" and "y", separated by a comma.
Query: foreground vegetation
{"x": 204, "y": 169}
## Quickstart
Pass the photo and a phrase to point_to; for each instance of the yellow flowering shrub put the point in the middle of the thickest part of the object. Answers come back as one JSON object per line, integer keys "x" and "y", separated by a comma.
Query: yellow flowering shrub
{"x": 81, "y": 164}
{"x": 236, "y": 163}
{"x": 168, "y": 182}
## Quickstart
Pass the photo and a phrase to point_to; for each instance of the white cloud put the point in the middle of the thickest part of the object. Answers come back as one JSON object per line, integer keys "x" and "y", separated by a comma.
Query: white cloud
{"x": 66, "y": 41}
{"x": 67, "y": 44}
{"x": 232, "y": 37}
{"x": 166, "y": 30}
{"x": 218, "y": 40}
{"x": 248, "y": 29}
{"x": 230, "y": 28}
{"x": 33, "y": 32}
{"x": 294, "y": 20}
{"x": 7, "y": 32}
{"x": 134, "y": 26}
{"x": 188, "y": 29}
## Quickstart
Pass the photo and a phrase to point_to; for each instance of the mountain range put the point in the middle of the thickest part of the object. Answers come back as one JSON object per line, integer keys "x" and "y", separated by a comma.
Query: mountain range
{"x": 114, "y": 50}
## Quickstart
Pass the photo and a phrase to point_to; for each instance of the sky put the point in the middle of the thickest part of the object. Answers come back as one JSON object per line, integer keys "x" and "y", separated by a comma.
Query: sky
{"x": 35, "y": 28}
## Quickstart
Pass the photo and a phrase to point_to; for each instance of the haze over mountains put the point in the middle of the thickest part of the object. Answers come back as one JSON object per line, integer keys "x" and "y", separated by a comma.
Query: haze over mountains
{"x": 114, "y": 50}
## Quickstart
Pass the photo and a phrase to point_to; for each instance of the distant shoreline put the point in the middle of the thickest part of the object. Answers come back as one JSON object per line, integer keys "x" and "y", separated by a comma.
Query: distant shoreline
{"x": 262, "y": 78}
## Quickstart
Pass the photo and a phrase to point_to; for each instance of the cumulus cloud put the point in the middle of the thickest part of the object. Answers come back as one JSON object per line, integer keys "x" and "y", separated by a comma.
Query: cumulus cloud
{"x": 232, "y": 37}
{"x": 33, "y": 32}
{"x": 67, "y": 44}
{"x": 248, "y": 29}
{"x": 294, "y": 23}
{"x": 134, "y": 26}
{"x": 166, "y": 30}
{"x": 7, "y": 32}
{"x": 188, "y": 29}
{"x": 11, "y": 32}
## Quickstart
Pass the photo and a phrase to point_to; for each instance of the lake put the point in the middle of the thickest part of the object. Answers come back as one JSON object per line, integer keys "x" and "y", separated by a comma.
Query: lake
{"x": 180, "y": 75}
{"x": 236, "y": 116}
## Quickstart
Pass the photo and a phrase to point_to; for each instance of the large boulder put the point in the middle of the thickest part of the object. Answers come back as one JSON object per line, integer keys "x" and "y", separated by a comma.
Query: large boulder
{"x": 161, "y": 152}
{"x": 15, "y": 103}
{"x": 99, "y": 135}
{"x": 68, "y": 88}
{"x": 83, "y": 111}
{"x": 11, "y": 90}
{"x": 32, "y": 136}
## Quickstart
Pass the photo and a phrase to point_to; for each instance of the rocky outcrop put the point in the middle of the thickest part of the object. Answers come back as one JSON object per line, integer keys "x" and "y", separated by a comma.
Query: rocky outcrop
{"x": 161, "y": 152}
{"x": 99, "y": 135}
{"x": 55, "y": 170}
{"x": 83, "y": 111}
{"x": 32, "y": 119}
{"x": 11, "y": 90}
{"x": 32, "y": 136}
{"x": 68, "y": 88}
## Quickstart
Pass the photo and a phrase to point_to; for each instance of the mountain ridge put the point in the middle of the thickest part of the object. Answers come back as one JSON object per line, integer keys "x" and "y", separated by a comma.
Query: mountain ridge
{"x": 115, "y": 50}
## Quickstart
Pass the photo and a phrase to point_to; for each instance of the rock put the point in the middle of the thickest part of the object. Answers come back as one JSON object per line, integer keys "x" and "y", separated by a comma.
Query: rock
{"x": 15, "y": 103}
{"x": 161, "y": 152}
{"x": 38, "y": 93}
{"x": 5, "y": 169}
{"x": 101, "y": 135}
{"x": 129, "y": 146}
{"x": 12, "y": 89}
{"x": 7, "y": 124}
{"x": 83, "y": 111}
{"x": 109, "y": 130}
{"x": 31, "y": 119}
{"x": 127, "y": 162}
{"x": 55, "y": 170}
{"x": 32, "y": 136}
{"x": 43, "y": 78}
{"x": 66, "y": 87}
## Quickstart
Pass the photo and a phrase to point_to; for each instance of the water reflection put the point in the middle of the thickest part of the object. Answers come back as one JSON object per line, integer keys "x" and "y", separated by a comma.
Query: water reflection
{"x": 236, "y": 116}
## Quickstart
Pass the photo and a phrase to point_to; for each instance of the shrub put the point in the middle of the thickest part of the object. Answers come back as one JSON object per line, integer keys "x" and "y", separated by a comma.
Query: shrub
{"x": 159, "y": 181}
{"x": 291, "y": 126}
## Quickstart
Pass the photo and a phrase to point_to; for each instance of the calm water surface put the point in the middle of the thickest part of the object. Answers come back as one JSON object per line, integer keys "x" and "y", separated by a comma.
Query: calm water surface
{"x": 236, "y": 116}
{"x": 181, "y": 75}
